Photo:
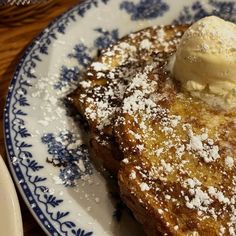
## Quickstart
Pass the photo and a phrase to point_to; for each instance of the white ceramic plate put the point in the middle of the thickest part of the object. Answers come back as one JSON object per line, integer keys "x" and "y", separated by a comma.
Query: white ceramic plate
{"x": 10, "y": 215}
{"x": 50, "y": 165}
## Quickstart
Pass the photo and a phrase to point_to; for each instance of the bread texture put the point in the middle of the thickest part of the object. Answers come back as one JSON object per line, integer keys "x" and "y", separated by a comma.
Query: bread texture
{"x": 100, "y": 94}
{"x": 174, "y": 155}
{"x": 178, "y": 172}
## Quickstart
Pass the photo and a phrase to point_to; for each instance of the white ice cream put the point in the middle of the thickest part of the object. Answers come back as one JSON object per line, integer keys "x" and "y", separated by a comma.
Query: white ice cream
{"x": 205, "y": 61}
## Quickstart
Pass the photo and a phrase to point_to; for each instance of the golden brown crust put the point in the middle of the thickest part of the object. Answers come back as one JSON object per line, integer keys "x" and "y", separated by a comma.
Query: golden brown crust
{"x": 178, "y": 191}
{"x": 178, "y": 172}
{"x": 179, "y": 164}
{"x": 99, "y": 95}
{"x": 106, "y": 154}
{"x": 146, "y": 210}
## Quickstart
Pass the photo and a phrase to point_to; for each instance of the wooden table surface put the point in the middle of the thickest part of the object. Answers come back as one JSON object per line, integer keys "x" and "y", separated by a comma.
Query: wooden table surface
{"x": 13, "y": 40}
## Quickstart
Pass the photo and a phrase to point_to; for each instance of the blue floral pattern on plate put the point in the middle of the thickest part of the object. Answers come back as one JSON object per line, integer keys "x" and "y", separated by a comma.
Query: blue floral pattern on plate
{"x": 106, "y": 38}
{"x": 145, "y": 9}
{"x": 80, "y": 52}
{"x": 28, "y": 99}
{"x": 197, "y": 10}
{"x": 72, "y": 159}
{"x": 28, "y": 63}
{"x": 67, "y": 76}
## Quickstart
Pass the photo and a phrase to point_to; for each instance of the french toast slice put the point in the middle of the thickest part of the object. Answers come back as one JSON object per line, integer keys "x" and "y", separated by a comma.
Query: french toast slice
{"x": 100, "y": 93}
{"x": 178, "y": 175}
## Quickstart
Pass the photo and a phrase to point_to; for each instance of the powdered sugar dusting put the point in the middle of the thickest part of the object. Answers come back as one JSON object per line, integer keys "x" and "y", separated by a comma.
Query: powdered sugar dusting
{"x": 136, "y": 93}
{"x": 120, "y": 65}
{"x": 182, "y": 158}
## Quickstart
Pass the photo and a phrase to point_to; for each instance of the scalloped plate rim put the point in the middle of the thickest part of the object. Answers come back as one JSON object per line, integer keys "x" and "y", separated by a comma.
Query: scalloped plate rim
{"x": 9, "y": 96}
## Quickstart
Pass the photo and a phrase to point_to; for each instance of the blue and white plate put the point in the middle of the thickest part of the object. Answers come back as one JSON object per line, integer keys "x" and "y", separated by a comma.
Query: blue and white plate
{"x": 47, "y": 156}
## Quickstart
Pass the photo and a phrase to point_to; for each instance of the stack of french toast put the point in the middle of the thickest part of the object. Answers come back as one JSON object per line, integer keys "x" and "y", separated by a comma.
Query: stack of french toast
{"x": 173, "y": 154}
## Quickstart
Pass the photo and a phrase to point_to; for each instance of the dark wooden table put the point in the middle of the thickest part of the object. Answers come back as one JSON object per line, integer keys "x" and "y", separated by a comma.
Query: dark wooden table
{"x": 13, "y": 40}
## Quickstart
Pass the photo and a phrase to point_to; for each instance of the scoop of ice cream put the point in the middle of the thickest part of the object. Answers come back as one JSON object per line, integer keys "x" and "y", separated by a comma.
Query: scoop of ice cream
{"x": 205, "y": 61}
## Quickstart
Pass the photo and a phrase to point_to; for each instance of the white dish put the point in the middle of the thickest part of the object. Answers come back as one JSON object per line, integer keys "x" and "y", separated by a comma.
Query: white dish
{"x": 10, "y": 215}
{"x": 38, "y": 126}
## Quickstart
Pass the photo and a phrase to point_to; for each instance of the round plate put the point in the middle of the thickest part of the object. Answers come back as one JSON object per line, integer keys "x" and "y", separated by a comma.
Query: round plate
{"x": 10, "y": 216}
{"x": 49, "y": 161}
